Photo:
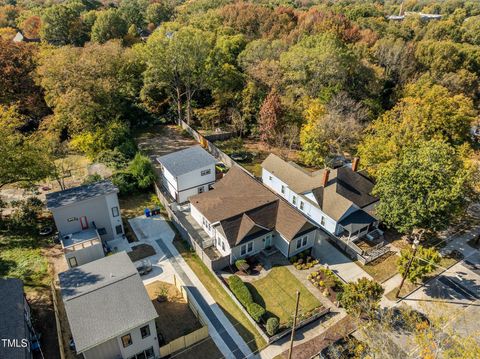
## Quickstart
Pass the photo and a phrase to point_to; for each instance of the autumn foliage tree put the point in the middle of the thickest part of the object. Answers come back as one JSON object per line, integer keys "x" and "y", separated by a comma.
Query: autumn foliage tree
{"x": 270, "y": 117}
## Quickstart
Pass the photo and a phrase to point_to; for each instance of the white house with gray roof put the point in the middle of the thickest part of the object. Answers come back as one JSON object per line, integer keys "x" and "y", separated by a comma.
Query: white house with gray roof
{"x": 187, "y": 172}
{"x": 88, "y": 218}
{"x": 109, "y": 311}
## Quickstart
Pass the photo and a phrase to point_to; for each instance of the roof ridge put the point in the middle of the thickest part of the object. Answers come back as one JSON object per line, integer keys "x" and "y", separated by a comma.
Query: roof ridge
{"x": 101, "y": 286}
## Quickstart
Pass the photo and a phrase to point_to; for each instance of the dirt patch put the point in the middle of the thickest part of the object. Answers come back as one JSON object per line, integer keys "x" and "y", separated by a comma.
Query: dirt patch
{"x": 163, "y": 140}
{"x": 140, "y": 252}
{"x": 175, "y": 318}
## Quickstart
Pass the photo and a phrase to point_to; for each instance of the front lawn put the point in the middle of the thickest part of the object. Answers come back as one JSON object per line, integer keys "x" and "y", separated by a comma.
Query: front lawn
{"x": 382, "y": 268}
{"x": 277, "y": 294}
{"x": 244, "y": 327}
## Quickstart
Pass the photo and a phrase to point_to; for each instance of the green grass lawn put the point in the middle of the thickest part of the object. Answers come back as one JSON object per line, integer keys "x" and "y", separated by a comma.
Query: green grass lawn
{"x": 382, "y": 268}
{"x": 21, "y": 257}
{"x": 276, "y": 293}
{"x": 244, "y": 327}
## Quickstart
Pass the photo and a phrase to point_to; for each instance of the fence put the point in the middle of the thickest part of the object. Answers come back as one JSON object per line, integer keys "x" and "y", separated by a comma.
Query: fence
{"x": 57, "y": 322}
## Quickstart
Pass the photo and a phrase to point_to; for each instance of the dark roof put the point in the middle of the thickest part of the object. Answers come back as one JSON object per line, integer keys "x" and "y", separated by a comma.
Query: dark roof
{"x": 12, "y": 318}
{"x": 78, "y": 194}
{"x": 187, "y": 160}
{"x": 243, "y": 207}
{"x": 357, "y": 220}
{"x": 344, "y": 187}
{"x": 104, "y": 299}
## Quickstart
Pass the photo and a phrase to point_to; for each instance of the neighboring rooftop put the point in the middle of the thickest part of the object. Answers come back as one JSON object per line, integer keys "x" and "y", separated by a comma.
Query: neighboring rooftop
{"x": 12, "y": 318}
{"x": 187, "y": 160}
{"x": 344, "y": 187}
{"x": 104, "y": 299}
{"x": 243, "y": 207}
{"x": 79, "y": 237}
{"x": 81, "y": 193}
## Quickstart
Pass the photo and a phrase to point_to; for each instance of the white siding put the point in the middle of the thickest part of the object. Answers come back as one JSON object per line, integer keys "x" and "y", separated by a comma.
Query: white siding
{"x": 258, "y": 246}
{"x": 86, "y": 255}
{"x": 169, "y": 182}
{"x": 112, "y": 201}
{"x": 281, "y": 244}
{"x": 186, "y": 185}
{"x": 107, "y": 350}
{"x": 311, "y": 237}
{"x": 138, "y": 344}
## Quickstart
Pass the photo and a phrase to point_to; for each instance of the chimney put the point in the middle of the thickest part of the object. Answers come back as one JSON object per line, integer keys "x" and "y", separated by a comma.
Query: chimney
{"x": 326, "y": 173}
{"x": 355, "y": 162}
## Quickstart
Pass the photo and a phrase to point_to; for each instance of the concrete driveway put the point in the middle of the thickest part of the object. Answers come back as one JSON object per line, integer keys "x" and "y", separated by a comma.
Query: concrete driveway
{"x": 338, "y": 262}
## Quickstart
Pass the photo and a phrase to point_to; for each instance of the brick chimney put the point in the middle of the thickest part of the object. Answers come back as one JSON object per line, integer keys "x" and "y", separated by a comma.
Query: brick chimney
{"x": 326, "y": 174}
{"x": 355, "y": 162}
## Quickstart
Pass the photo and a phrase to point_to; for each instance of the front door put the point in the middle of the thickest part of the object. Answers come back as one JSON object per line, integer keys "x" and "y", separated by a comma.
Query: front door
{"x": 267, "y": 241}
{"x": 83, "y": 222}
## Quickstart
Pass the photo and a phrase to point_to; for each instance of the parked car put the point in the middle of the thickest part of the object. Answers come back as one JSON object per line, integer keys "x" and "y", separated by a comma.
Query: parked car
{"x": 144, "y": 267}
{"x": 46, "y": 231}
{"x": 241, "y": 156}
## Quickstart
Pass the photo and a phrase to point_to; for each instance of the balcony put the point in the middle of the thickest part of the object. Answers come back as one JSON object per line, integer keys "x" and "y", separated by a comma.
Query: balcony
{"x": 75, "y": 241}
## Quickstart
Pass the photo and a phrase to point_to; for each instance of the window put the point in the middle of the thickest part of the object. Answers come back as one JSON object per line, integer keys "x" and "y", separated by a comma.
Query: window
{"x": 72, "y": 219}
{"x": 304, "y": 241}
{"x": 205, "y": 172}
{"x": 150, "y": 353}
{"x": 72, "y": 261}
{"x": 283, "y": 189}
{"x": 200, "y": 189}
{"x": 270, "y": 178}
{"x": 250, "y": 247}
{"x": 102, "y": 231}
{"x": 294, "y": 200}
{"x": 322, "y": 221}
{"x": 126, "y": 340}
{"x": 223, "y": 245}
{"x": 145, "y": 331}
{"x": 302, "y": 205}
{"x": 246, "y": 248}
{"x": 299, "y": 243}
{"x": 115, "y": 212}
{"x": 119, "y": 229}
{"x": 243, "y": 250}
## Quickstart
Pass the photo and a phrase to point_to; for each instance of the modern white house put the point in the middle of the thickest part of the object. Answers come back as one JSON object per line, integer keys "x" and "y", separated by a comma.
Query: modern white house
{"x": 244, "y": 218}
{"x": 338, "y": 200}
{"x": 109, "y": 311}
{"x": 88, "y": 219}
{"x": 187, "y": 172}
{"x": 16, "y": 330}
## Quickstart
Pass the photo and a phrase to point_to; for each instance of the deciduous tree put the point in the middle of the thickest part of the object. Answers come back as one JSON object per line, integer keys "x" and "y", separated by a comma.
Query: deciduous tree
{"x": 424, "y": 262}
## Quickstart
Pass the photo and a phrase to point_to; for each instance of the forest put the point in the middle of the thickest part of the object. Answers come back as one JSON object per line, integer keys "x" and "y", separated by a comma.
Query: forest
{"x": 325, "y": 78}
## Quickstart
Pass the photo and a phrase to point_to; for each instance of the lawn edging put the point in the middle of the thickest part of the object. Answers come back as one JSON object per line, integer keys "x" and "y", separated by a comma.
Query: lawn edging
{"x": 242, "y": 308}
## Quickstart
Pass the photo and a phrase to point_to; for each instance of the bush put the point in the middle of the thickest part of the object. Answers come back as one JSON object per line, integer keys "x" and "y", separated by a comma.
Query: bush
{"x": 256, "y": 311}
{"x": 240, "y": 290}
{"x": 272, "y": 326}
{"x": 141, "y": 168}
{"x": 241, "y": 264}
{"x": 125, "y": 182}
{"x": 92, "y": 179}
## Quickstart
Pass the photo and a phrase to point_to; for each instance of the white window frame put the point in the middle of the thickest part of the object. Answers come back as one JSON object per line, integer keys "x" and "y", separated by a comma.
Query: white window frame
{"x": 115, "y": 211}
{"x": 246, "y": 248}
{"x": 205, "y": 172}
{"x": 322, "y": 221}
{"x": 283, "y": 189}
{"x": 200, "y": 189}
{"x": 302, "y": 205}
{"x": 294, "y": 200}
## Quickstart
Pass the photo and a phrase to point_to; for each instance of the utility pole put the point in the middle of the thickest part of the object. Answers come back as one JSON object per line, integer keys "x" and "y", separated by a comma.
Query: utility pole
{"x": 416, "y": 242}
{"x": 294, "y": 325}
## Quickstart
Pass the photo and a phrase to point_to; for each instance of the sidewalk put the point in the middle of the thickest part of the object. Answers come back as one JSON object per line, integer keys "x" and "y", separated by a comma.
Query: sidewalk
{"x": 227, "y": 339}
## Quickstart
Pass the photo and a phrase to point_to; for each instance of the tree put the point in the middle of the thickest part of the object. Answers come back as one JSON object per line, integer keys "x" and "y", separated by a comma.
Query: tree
{"x": 427, "y": 111}
{"x": 31, "y": 26}
{"x": 62, "y": 25}
{"x": 141, "y": 168}
{"x": 23, "y": 158}
{"x": 270, "y": 117}
{"x": 133, "y": 12}
{"x": 158, "y": 12}
{"x": 314, "y": 150}
{"x": 424, "y": 262}
{"x": 176, "y": 60}
{"x": 425, "y": 187}
{"x": 471, "y": 30}
{"x": 108, "y": 25}
{"x": 361, "y": 298}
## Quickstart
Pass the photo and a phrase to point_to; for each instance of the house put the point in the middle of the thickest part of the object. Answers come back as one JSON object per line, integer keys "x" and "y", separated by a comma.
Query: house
{"x": 108, "y": 310}
{"x": 243, "y": 218}
{"x": 92, "y": 206}
{"x": 187, "y": 172}
{"x": 82, "y": 247}
{"x": 16, "y": 330}
{"x": 19, "y": 37}
{"x": 339, "y": 200}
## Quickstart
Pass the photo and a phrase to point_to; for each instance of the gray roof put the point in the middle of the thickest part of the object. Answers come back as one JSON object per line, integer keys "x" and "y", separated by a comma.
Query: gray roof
{"x": 81, "y": 193}
{"x": 79, "y": 237}
{"x": 104, "y": 299}
{"x": 187, "y": 160}
{"x": 12, "y": 319}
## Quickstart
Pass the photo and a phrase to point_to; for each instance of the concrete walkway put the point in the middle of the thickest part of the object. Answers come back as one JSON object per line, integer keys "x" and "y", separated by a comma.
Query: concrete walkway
{"x": 343, "y": 266}
{"x": 152, "y": 230}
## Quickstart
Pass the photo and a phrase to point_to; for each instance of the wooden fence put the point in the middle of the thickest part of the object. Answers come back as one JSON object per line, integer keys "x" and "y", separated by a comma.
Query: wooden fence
{"x": 61, "y": 347}
{"x": 184, "y": 342}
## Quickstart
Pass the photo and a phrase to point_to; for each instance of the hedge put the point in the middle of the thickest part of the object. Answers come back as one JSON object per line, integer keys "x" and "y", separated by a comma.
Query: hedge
{"x": 272, "y": 326}
{"x": 256, "y": 311}
{"x": 240, "y": 290}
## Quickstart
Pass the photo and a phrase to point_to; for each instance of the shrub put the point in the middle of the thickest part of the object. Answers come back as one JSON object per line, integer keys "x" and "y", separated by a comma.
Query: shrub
{"x": 92, "y": 178}
{"x": 272, "y": 326}
{"x": 241, "y": 264}
{"x": 141, "y": 168}
{"x": 125, "y": 182}
{"x": 256, "y": 311}
{"x": 240, "y": 290}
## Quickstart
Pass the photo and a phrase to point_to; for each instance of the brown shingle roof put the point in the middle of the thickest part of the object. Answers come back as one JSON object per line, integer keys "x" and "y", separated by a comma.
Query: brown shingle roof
{"x": 244, "y": 207}
{"x": 344, "y": 188}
